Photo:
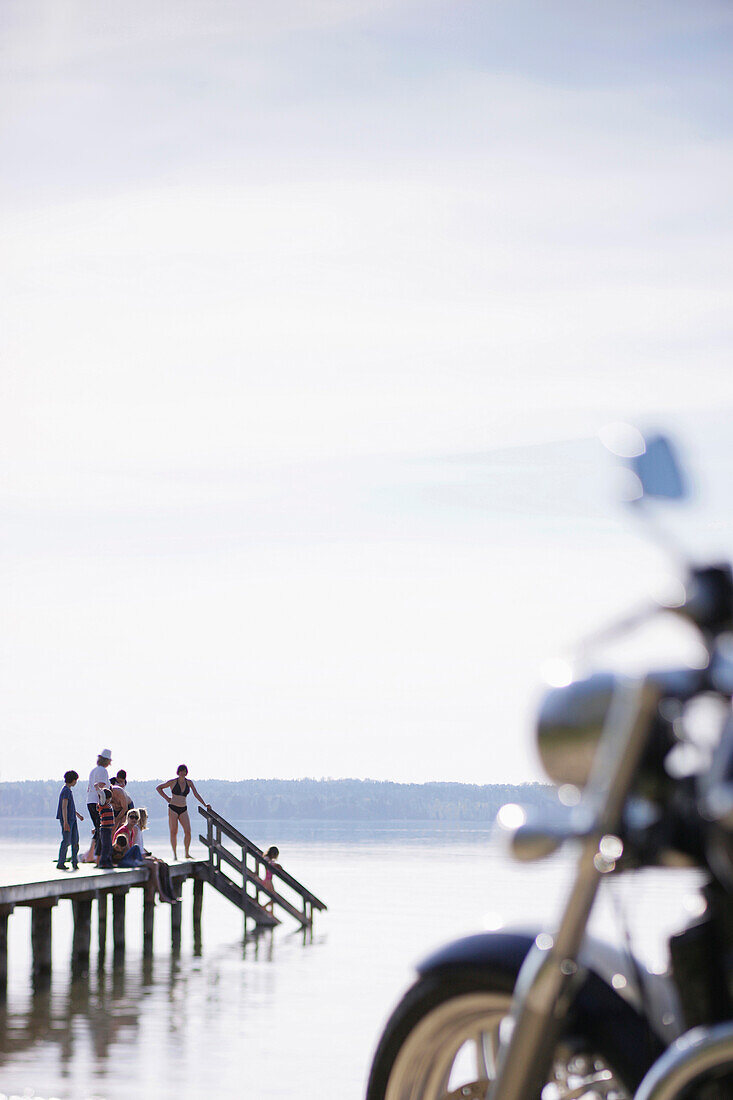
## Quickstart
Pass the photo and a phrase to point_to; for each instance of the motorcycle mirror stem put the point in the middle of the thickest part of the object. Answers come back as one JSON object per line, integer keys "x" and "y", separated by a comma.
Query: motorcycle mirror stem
{"x": 652, "y": 472}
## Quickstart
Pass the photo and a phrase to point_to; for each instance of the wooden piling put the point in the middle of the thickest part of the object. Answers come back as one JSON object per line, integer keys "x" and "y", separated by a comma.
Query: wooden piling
{"x": 118, "y": 924}
{"x": 82, "y": 908}
{"x": 198, "y": 901}
{"x": 101, "y": 929}
{"x": 176, "y": 928}
{"x": 148, "y": 924}
{"x": 41, "y": 943}
{"x": 5, "y": 911}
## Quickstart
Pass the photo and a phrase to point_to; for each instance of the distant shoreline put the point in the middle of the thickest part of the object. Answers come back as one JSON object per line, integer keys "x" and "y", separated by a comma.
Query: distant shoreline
{"x": 303, "y": 799}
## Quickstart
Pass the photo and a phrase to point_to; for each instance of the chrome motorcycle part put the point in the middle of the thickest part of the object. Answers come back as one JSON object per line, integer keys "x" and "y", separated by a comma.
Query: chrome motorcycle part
{"x": 634, "y": 1013}
{"x": 698, "y": 1066}
{"x": 442, "y": 1042}
{"x": 569, "y": 726}
{"x": 543, "y": 832}
{"x": 572, "y": 719}
{"x": 544, "y": 990}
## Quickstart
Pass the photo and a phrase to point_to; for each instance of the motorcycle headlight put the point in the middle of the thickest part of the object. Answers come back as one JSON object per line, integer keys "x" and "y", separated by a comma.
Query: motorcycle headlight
{"x": 569, "y": 727}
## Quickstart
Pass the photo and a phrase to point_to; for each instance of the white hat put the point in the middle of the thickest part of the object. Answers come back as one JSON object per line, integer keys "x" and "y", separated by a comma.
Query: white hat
{"x": 106, "y": 754}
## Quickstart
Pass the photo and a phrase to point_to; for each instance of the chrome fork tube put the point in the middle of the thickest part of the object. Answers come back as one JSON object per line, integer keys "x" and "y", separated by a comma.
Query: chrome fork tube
{"x": 546, "y": 980}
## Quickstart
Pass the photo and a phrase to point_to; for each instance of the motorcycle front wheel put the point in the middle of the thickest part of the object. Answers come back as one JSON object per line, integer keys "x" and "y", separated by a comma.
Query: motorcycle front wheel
{"x": 442, "y": 1041}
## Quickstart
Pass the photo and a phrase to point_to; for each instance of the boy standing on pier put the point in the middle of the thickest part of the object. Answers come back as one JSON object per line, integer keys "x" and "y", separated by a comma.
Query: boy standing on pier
{"x": 106, "y": 824}
{"x": 67, "y": 814}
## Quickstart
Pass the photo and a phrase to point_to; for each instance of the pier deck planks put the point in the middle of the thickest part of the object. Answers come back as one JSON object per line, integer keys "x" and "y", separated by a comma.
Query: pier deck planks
{"x": 17, "y": 890}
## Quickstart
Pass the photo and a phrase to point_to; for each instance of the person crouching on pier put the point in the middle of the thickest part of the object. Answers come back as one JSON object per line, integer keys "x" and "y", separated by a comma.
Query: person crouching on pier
{"x": 121, "y": 800}
{"x": 106, "y": 824}
{"x": 67, "y": 815}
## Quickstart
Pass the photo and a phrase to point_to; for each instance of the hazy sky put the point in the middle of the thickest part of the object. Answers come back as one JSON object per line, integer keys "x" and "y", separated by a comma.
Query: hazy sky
{"x": 311, "y": 312}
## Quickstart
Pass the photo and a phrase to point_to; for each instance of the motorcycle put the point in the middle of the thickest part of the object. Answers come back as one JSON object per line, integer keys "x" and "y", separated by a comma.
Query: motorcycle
{"x": 555, "y": 1014}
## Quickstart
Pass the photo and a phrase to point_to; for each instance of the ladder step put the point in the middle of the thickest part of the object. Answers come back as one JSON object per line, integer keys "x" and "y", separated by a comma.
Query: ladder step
{"x": 238, "y": 865}
{"x": 248, "y": 905}
{"x": 231, "y": 890}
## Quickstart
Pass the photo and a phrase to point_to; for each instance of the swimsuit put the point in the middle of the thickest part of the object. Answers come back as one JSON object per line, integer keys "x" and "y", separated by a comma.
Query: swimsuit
{"x": 177, "y": 790}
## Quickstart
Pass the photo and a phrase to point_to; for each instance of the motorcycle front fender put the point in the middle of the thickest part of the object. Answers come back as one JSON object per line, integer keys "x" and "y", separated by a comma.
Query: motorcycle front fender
{"x": 696, "y": 1057}
{"x": 634, "y": 1025}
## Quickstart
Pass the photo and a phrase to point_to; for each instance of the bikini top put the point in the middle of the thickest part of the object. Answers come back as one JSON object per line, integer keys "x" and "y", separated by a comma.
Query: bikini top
{"x": 176, "y": 788}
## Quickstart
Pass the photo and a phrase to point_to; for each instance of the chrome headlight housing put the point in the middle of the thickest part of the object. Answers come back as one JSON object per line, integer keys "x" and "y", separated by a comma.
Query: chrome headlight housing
{"x": 569, "y": 727}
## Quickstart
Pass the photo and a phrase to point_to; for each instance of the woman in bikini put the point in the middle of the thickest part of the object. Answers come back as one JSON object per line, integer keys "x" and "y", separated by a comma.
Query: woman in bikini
{"x": 177, "y": 809}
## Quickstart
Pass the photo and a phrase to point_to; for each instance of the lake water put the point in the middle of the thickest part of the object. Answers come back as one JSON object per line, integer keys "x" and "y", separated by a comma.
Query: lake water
{"x": 284, "y": 1016}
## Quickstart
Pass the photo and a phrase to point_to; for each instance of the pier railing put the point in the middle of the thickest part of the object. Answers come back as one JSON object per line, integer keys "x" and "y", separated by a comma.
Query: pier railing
{"x": 252, "y": 894}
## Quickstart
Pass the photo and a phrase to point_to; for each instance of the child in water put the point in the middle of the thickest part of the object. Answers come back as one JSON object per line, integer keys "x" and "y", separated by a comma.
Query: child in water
{"x": 270, "y": 857}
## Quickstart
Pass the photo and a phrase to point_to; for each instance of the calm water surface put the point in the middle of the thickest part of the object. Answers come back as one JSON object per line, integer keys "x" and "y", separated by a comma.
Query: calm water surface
{"x": 282, "y": 1016}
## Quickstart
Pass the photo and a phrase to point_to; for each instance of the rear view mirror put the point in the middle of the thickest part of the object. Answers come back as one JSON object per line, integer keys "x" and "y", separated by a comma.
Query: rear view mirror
{"x": 658, "y": 470}
{"x": 653, "y": 470}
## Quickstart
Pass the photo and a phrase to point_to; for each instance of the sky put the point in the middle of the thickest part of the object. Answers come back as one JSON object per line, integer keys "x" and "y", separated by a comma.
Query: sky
{"x": 312, "y": 313}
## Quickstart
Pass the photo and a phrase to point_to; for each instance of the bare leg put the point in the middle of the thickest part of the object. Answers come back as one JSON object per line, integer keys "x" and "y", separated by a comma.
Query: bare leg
{"x": 153, "y": 883}
{"x": 186, "y": 823}
{"x": 173, "y": 824}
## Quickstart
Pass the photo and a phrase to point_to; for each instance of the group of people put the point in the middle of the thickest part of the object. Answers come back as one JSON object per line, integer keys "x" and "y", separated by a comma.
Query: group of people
{"x": 118, "y": 826}
{"x": 117, "y": 837}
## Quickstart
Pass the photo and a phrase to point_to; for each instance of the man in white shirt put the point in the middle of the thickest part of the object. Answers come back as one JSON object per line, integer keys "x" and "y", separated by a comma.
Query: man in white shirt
{"x": 98, "y": 774}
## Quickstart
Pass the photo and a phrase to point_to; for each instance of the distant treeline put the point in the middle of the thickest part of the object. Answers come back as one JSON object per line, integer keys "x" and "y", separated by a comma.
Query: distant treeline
{"x": 302, "y": 799}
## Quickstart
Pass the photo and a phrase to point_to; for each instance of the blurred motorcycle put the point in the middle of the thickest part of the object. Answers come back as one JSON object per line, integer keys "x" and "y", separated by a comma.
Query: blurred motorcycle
{"x": 553, "y": 1013}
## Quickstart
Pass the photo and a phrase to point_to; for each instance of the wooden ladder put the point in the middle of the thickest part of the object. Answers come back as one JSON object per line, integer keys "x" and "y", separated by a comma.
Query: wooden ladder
{"x": 253, "y": 895}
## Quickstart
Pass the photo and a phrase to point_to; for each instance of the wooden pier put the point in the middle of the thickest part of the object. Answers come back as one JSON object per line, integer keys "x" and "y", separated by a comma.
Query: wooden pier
{"x": 89, "y": 888}
{"x": 86, "y": 889}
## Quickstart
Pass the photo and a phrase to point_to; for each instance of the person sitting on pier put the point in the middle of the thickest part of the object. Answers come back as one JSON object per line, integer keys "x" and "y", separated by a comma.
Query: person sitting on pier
{"x": 98, "y": 774}
{"x": 177, "y": 809}
{"x": 106, "y": 824}
{"x": 67, "y": 814}
{"x": 130, "y": 829}
{"x": 139, "y": 821}
{"x": 159, "y": 871}
{"x": 124, "y": 854}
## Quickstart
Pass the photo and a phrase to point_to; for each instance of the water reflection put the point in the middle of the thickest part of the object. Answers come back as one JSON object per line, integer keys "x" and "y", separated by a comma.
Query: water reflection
{"x": 92, "y": 1016}
{"x": 90, "y": 1010}
{"x": 259, "y": 944}
{"x": 186, "y": 1024}
{"x": 106, "y": 1006}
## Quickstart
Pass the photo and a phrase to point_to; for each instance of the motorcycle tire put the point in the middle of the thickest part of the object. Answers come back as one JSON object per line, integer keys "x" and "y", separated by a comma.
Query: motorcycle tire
{"x": 441, "y": 1043}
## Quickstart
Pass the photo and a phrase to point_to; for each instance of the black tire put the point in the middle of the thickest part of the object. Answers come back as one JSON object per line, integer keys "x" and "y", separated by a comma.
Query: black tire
{"x": 441, "y": 1016}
